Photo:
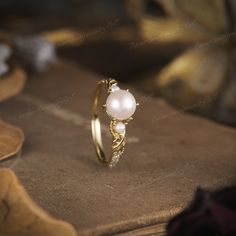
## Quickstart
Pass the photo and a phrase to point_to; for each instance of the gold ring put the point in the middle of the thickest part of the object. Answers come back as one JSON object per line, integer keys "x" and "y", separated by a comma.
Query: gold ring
{"x": 120, "y": 106}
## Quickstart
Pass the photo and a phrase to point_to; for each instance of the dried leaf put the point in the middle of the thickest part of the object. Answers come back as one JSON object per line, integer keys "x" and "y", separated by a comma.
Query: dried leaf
{"x": 20, "y": 216}
{"x": 211, "y": 14}
{"x": 12, "y": 84}
{"x": 169, "y": 29}
{"x": 195, "y": 76}
{"x": 200, "y": 76}
{"x": 11, "y": 140}
{"x": 172, "y": 31}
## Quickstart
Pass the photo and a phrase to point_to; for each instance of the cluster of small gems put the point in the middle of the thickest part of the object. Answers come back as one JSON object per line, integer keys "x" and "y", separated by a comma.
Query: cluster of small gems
{"x": 115, "y": 158}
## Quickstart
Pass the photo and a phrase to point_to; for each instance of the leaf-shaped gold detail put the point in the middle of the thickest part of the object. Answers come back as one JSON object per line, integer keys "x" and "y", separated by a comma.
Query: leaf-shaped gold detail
{"x": 118, "y": 138}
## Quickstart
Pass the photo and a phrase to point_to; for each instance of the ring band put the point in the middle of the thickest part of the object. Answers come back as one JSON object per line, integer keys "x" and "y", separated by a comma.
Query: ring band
{"x": 120, "y": 106}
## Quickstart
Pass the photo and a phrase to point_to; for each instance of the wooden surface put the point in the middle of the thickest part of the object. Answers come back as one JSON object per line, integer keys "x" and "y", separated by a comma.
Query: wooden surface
{"x": 168, "y": 154}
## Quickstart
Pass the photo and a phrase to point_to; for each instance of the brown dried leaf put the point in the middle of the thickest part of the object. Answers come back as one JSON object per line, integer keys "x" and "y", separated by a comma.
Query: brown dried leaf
{"x": 171, "y": 31}
{"x": 211, "y": 14}
{"x": 195, "y": 76}
{"x": 20, "y": 216}
{"x": 183, "y": 21}
{"x": 11, "y": 140}
{"x": 12, "y": 84}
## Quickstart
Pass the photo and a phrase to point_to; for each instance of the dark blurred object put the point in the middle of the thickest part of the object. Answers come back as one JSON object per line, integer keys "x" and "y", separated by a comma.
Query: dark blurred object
{"x": 34, "y": 52}
{"x": 29, "y": 16}
{"x": 210, "y": 214}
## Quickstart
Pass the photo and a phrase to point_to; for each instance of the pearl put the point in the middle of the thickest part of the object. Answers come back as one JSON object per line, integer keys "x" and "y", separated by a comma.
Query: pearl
{"x": 121, "y": 104}
{"x": 114, "y": 88}
{"x": 120, "y": 127}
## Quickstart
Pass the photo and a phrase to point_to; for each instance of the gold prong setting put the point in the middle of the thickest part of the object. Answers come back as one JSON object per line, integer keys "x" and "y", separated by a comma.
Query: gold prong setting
{"x": 119, "y": 122}
{"x": 113, "y": 88}
{"x": 120, "y": 106}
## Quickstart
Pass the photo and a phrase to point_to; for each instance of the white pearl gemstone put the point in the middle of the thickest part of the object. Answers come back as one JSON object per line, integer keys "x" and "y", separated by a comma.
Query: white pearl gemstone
{"x": 114, "y": 88}
{"x": 120, "y": 127}
{"x": 121, "y": 104}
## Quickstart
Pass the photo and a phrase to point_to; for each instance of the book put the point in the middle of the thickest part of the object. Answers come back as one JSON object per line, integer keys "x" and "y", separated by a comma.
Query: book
{"x": 168, "y": 154}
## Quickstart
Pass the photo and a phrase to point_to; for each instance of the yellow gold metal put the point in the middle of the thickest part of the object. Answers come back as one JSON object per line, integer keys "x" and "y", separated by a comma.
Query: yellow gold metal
{"x": 118, "y": 139}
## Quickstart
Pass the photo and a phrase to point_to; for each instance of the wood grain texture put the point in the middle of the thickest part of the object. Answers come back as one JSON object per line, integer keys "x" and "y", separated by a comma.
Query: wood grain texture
{"x": 11, "y": 140}
{"x": 20, "y": 216}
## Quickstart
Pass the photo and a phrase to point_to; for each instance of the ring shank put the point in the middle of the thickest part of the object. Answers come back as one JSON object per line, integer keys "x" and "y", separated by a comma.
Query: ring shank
{"x": 95, "y": 122}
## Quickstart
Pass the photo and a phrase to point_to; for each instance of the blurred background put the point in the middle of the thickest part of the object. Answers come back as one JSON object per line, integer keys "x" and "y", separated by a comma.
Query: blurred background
{"x": 181, "y": 50}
